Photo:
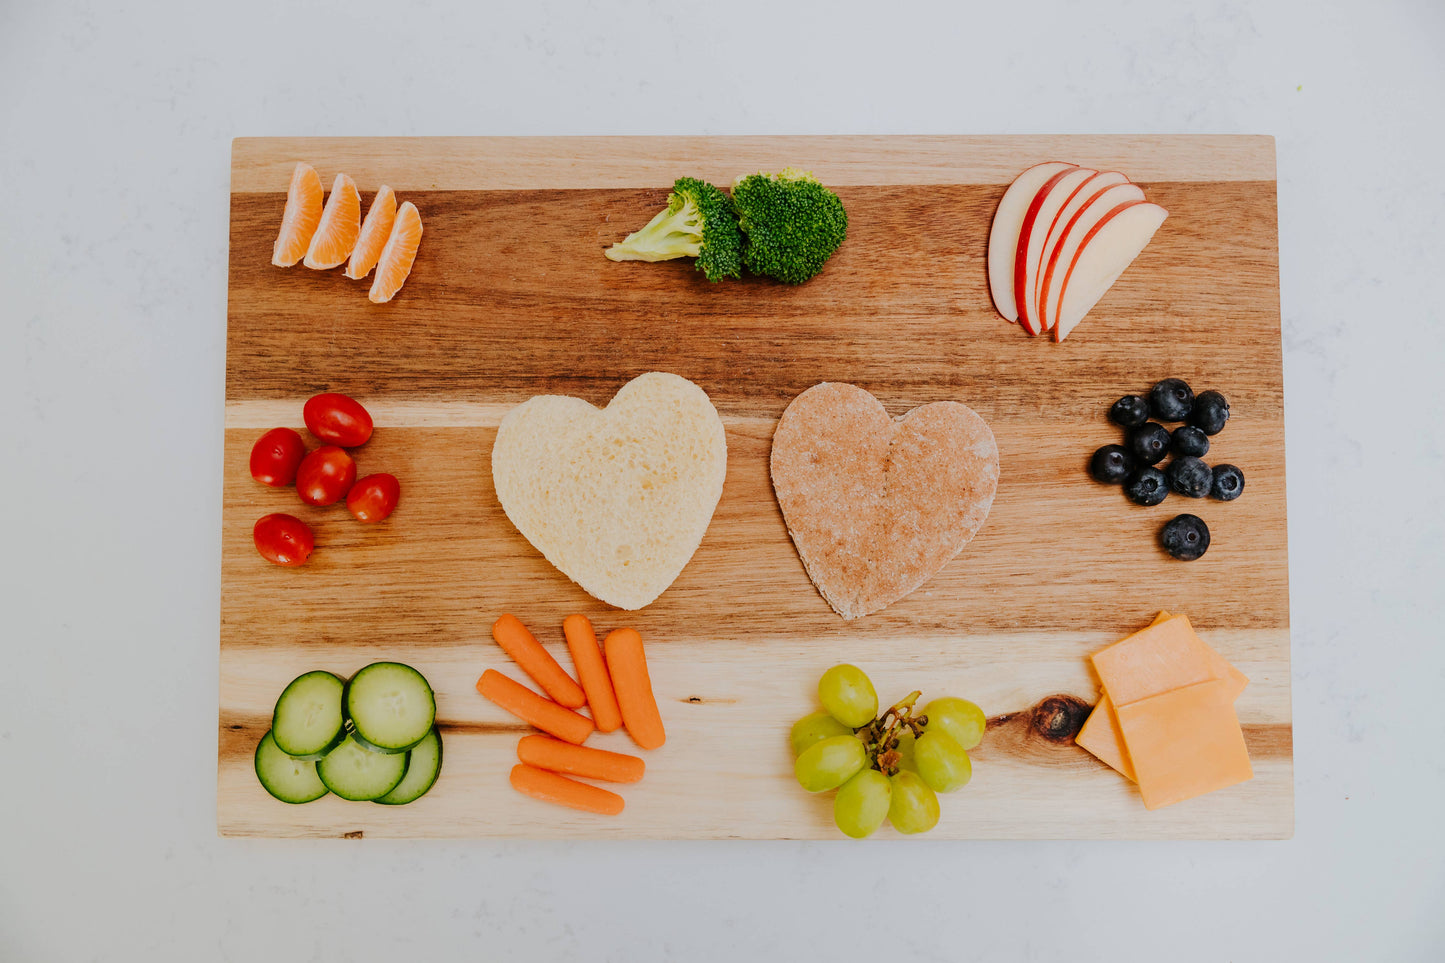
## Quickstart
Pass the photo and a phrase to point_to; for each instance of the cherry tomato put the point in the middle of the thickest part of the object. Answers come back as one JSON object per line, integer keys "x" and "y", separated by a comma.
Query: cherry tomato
{"x": 283, "y": 539}
{"x": 275, "y": 457}
{"x": 337, "y": 420}
{"x": 325, "y": 476}
{"x": 374, "y": 497}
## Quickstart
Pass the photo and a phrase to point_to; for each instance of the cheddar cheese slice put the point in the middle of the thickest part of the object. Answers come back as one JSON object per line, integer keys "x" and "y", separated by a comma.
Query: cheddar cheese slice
{"x": 1100, "y": 735}
{"x": 1167, "y": 655}
{"x": 1185, "y": 742}
{"x": 1100, "y": 732}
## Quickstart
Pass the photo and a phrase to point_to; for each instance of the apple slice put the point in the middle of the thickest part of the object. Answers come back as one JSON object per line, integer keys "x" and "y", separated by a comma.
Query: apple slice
{"x": 1071, "y": 238}
{"x": 1110, "y": 246}
{"x": 1004, "y": 234}
{"x": 1079, "y": 199}
{"x": 1027, "y": 256}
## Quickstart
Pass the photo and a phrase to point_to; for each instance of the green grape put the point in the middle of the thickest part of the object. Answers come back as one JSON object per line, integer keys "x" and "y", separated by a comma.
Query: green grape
{"x": 906, "y": 748}
{"x": 828, "y": 764}
{"x": 942, "y": 762}
{"x": 959, "y": 718}
{"x": 848, "y": 695}
{"x": 862, "y": 803}
{"x": 914, "y": 807}
{"x": 815, "y": 727}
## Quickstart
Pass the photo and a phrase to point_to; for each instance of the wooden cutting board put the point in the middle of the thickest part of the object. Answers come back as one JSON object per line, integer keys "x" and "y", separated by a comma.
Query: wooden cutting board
{"x": 511, "y": 297}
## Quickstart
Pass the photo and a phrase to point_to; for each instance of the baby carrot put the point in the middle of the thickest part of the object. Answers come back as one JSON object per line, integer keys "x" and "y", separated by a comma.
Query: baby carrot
{"x": 526, "y": 705}
{"x": 628, "y": 668}
{"x": 544, "y": 752}
{"x": 587, "y": 657}
{"x": 537, "y": 662}
{"x": 552, "y": 788}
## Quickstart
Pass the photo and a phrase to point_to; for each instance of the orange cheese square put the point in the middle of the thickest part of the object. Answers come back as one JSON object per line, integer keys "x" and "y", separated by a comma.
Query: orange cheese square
{"x": 1166, "y": 655}
{"x": 1185, "y": 743}
{"x": 1100, "y": 734}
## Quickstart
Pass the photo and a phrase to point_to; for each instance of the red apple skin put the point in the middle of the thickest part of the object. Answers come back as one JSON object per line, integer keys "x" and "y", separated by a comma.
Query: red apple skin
{"x": 1048, "y": 274}
{"x": 1002, "y": 242}
{"x": 1046, "y": 270}
{"x": 1063, "y": 291}
{"x": 1026, "y": 319}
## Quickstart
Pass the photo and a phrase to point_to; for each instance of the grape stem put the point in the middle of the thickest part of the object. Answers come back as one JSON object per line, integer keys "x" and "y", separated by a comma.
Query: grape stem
{"x": 881, "y": 736}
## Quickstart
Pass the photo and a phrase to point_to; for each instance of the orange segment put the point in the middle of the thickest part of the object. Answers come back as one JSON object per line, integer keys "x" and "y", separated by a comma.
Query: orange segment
{"x": 340, "y": 223}
{"x": 398, "y": 255}
{"x": 374, "y": 231}
{"x": 303, "y": 213}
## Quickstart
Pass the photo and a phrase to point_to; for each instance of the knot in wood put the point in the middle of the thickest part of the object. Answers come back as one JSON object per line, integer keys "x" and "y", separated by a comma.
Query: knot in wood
{"x": 1058, "y": 718}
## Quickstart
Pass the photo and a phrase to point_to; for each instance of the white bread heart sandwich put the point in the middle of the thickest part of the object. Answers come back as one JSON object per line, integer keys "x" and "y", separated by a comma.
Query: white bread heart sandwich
{"x": 617, "y": 498}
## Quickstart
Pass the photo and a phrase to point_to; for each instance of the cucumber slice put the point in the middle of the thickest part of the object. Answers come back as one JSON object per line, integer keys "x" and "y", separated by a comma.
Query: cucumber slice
{"x": 307, "y": 723}
{"x": 422, "y": 769}
{"x": 390, "y": 706}
{"x": 354, "y": 772}
{"x": 289, "y": 779}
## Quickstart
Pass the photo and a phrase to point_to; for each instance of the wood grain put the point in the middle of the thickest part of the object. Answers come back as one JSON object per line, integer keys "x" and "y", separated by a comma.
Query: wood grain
{"x": 510, "y": 298}
{"x": 258, "y": 164}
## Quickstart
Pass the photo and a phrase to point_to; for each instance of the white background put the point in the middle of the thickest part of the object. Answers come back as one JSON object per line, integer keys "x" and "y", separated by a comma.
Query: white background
{"x": 115, "y": 130}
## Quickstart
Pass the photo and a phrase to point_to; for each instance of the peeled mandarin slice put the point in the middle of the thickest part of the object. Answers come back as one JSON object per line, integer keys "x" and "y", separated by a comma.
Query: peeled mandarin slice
{"x": 340, "y": 223}
{"x": 374, "y": 231}
{"x": 302, "y": 214}
{"x": 398, "y": 255}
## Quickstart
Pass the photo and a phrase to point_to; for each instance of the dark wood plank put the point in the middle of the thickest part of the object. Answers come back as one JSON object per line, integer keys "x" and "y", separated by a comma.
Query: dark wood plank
{"x": 513, "y": 298}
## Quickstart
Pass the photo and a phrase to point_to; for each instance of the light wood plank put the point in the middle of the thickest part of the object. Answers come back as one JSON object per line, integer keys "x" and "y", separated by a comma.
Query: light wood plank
{"x": 262, "y": 164}
{"x": 726, "y": 771}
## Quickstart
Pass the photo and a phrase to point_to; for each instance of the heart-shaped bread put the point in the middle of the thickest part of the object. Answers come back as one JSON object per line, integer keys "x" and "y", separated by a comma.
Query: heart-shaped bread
{"x": 617, "y": 498}
{"x": 877, "y": 506}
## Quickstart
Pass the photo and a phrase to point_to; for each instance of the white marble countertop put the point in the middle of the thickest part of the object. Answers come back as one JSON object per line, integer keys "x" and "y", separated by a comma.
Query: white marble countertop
{"x": 115, "y": 130}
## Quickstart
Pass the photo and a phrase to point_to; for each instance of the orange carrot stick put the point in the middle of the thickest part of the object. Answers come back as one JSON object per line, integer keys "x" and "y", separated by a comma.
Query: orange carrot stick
{"x": 587, "y": 657}
{"x": 537, "y": 662}
{"x": 544, "y": 752}
{"x": 628, "y": 668}
{"x": 526, "y": 705}
{"x": 552, "y": 788}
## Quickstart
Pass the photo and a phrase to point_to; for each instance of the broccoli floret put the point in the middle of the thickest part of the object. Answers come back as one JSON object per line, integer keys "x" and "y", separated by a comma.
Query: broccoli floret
{"x": 698, "y": 222}
{"x": 791, "y": 224}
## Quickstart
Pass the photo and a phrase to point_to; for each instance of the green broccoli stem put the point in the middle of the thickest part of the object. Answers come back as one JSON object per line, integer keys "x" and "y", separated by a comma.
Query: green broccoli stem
{"x": 670, "y": 234}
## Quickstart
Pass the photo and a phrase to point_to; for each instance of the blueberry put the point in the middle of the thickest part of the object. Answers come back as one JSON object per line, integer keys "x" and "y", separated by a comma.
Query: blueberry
{"x": 1188, "y": 440}
{"x": 1171, "y": 400}
{"x": 1149, "y": 442}
{"x": 1130, "y": 411}
{"x": 1189, "y": 476}
{"x": 1147, "y": 486}
{"x": 1211, "y": 411}
{"x": 1185, "y": 537}
{"x": 1111, "y": 464}
{"x": 1228, "y": 483}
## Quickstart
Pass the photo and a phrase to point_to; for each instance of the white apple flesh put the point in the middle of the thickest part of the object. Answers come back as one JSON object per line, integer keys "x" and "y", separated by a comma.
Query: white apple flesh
{"x": 1071, "y": 237}
{"x": 1004, "y": 234}
{"x": 1110, "y": 246}
{"x": 1080, "y": 198}
{"x": 1029, "y": 252}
